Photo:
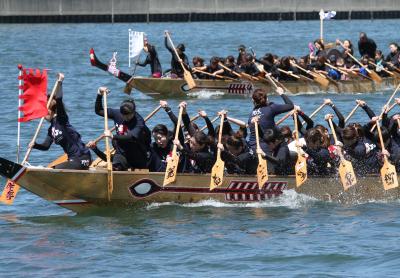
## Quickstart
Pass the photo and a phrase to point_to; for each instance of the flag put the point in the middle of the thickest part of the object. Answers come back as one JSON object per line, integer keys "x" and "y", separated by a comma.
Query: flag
{"x": 136, "y": 43}
{"x": 326, "y": 16}
{"x": 34, "y": 94}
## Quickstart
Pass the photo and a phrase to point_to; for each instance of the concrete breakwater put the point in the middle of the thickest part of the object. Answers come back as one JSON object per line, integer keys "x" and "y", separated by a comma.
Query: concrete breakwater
{"x": 42, "y": 11}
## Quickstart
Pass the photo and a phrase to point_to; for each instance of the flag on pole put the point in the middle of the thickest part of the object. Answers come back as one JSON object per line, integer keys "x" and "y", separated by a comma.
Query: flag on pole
{"x": 135, "y": 44}
{"x": 327, "y": 16}
{"x": 34, "y": 94}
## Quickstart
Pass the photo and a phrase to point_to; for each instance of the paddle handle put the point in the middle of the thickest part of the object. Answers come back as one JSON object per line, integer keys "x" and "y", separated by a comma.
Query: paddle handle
{"x": 284, "y": 118}
{"x": 333, "y": 130}
{"x": 351, "y": 113}
{"x": 221, "y": 126}
{"x": 53, "y": 92}
{"x": 256, "y": 125}
{"x": 218, "y": 76}
{"x": 228, "y": 69}
{"x": 237, "y": 122}
{"x": 296, "y": 126}
{"x": 178, "y": 127}
{"x": 387, "y": 103}
{"x": 152, "y": 113}
{"x": 176, "y": 52}
{"x": 385, "y": 70}
{"x": 212, "y": 121}
{"x": 108, "y": 154}
{"x": 378, "y": 127}
{"x": 315, "y": 112}
{"x": 288, "y": 73}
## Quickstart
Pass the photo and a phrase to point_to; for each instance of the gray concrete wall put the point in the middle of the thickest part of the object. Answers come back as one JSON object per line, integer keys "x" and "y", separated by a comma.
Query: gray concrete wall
{"x": 103, "y": 7}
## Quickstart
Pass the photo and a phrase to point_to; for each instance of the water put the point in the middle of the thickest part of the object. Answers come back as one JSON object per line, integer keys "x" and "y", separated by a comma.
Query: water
{"x": 293, "y": 235}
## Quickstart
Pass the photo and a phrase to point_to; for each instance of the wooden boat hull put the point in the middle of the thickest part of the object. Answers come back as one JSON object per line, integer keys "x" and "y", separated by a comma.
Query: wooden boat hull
{"x": 84, "y": 190}
{"x": 167, "y": 87}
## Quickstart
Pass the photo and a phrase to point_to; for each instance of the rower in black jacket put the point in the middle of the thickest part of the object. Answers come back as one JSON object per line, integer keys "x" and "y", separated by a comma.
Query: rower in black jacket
{"x": 152, "y": 59}
{"x": 132, "y": 141}
{"x": 176, "y": 68}
{"x": 267, "y": 112}
{"x": 62, "y": 133}
{"x": 366, "y": 46}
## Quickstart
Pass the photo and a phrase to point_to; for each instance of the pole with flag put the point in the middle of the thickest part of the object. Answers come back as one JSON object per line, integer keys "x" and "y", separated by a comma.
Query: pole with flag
{"x": 324, "y": 16}
{"x": 19, "y": 111}
{"x": 136, "y": 44}
{"x": 36, "y": 104}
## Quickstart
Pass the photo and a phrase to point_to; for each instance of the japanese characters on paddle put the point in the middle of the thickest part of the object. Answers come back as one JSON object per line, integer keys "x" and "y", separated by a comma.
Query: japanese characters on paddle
{"x": 62, "y": 133}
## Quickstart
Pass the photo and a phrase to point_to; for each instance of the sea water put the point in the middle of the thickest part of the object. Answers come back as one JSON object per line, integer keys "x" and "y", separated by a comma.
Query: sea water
{"x": 293, "y": 235}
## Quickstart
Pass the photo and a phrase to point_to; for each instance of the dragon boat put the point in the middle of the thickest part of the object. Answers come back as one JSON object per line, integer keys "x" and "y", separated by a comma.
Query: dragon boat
{"x": 84, "y": 190}
{"x": 167, "y": 87}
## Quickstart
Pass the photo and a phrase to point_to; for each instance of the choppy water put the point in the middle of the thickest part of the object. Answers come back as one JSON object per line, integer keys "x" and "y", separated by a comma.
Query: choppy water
{"x": 291, "y": 236}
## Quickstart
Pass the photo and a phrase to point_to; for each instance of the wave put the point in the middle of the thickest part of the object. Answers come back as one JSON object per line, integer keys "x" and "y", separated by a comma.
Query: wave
{"x": 290, "y": 199}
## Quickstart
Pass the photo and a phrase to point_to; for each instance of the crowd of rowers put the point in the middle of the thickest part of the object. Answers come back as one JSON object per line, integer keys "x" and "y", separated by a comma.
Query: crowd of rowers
{"x": 134, "y": 148}
{"x": 336, "y": 65}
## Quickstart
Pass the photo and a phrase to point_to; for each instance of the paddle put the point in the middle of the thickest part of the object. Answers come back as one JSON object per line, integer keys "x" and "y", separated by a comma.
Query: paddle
{"x": 371, "y": 73}
{"x": 387, "y": 103}
{"x": 301, "y": 163}
{"x": 385, "y": 70}
{"x": 172, "y": 163}
{"x": 339, "y": 70}
{"x": 11, "y": 188}
{"x": 110, "y": 179}
{"x": 237, "y": 122}
{"x": 346, "y": 172}
{"x": 315, "y": 112}
{"x": 217, "y": 172}
{"x": 298, "y": 77}
{"x": 214, "y": 75}
{"x": 241, "y": 75}
{"x": 186, "y": 74}
{"x": 262, "y": 170}
{"x": 212, "y": 121}
{"x": 388, "y": 171}
{"x": 323, "y": 82}
{"x": 351, "y": 113}
{"x": 290, "y": 113}
{"x": 64, "y": 157}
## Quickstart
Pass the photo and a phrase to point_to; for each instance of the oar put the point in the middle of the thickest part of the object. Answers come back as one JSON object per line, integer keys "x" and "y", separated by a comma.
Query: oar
{"x": 388, "y": 170}
{"x": 217, "y": 172}
{"x": 11, "y": 188}
{"x": 301, "y": 163}
{"x": 339, "y": 70}
{"x": 241, "y": 75}
{"x": 281, "y": 120}
{"x": 262, "y": 170}
{"x": 172, "y": 164}
{"x": 64, "y": 157}
{"x": 351, "y": 113}
{"x": 298, "y": 77}
{"x": 325, "y": 75}
{"x": 186, "y": 74}
{"x": 387, "y": 103}
{"x": 316, "y": 77}
{"x": 216, "y": 75}
{"x": 212, "y": 121}
{"x": 110, "y": 179}
{"x": 315, "y": 112}
{"x": 237, "y": 122}
{"x": 371, "y": 73}
{"x": 393, "y": 74}
{"x": 346, "y": 171}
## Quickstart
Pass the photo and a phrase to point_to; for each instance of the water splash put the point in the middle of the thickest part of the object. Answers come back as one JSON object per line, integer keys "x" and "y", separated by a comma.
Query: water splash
{"x": 204, "y": 94}
{"x": 290, "y": 199}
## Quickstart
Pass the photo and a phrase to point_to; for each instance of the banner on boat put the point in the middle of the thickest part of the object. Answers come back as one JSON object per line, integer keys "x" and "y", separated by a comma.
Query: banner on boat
{"x": 136, "y": 43}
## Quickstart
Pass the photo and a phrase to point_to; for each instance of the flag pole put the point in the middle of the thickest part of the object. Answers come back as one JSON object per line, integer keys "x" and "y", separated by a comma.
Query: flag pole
{"x": 19, "y": 112}
{"x": 321, "y": 18}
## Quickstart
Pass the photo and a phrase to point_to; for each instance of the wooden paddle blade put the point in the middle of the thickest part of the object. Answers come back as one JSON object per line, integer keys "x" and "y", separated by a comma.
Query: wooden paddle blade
{"x": 301, "y": 170}
{"x": 262, "y": 172}
{"x": 59, "y": 160}
{"x": 389, "y": 176}
{"x": 321, "y": 80}
{"x": 9, "y": 193}
{"x": 189, "y": 79}
{"x": 346, "y": 173}
{"x": 375, "y": 76}
{"x": 217, "y": 174}
{"x": 171, "y": 170}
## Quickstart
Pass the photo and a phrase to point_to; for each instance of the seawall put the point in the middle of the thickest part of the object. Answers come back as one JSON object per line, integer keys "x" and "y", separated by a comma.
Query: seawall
{"x": 61, "y": 11}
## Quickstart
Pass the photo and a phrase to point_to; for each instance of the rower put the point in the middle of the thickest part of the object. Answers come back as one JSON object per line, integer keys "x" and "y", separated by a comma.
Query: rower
{"x": 230, "y": 64}
{"x": 198, "y": 63}
{"x": 318, "y": 51}
{"x": 132, "y": 141}
{"x": 266, "y": 111}
{"x": 392, "y": 59}
{"x": 241, "y": 59}
{"x": 152, "y": 59}
{"x": 213, "y": 68}
{"x": 62, "y": 133}
{"x": 366, "y": 46}
{"x": 249, "y": 67}
{"x": 176, "y": 68}
{"x": 333, "y": 73}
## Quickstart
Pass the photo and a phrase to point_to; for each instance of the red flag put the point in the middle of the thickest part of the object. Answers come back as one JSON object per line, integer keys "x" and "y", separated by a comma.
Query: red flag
{"x": 34, "y": 94}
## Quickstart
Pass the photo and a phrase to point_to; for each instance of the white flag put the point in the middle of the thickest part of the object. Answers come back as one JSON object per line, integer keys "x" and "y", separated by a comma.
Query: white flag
{"x": 135, "y": 44}
{"x": 326, "y": 16}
